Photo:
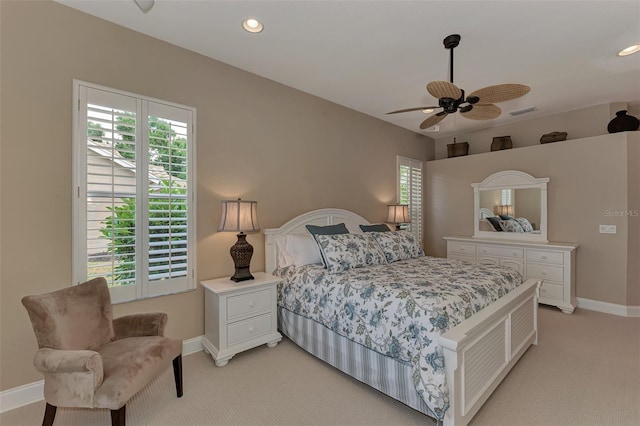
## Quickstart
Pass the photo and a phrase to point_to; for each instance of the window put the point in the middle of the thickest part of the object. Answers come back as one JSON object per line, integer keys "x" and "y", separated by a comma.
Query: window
{"x": 506, "y": 196}
{"x": 134, "y": 201}
{"x": 410, "y": 191}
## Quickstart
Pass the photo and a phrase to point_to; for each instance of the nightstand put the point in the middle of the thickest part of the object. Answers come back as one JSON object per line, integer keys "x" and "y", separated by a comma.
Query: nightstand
{"x": 239, "y": 316}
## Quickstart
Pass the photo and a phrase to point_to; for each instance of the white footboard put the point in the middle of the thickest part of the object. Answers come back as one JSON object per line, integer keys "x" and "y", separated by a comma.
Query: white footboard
{"x": 480, "y": 351}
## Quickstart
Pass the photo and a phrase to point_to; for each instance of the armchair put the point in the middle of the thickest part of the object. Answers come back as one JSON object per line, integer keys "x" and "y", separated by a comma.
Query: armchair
{"x": 90, "y": 359}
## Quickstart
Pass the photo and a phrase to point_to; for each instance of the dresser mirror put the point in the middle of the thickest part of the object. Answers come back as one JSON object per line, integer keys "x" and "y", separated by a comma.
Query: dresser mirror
{"x": 511, "y": 205}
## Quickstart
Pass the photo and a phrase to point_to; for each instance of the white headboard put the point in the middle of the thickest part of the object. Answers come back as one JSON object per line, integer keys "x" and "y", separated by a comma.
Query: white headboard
{"x": 485, "y": 213}
{"x": 296, "y": 225}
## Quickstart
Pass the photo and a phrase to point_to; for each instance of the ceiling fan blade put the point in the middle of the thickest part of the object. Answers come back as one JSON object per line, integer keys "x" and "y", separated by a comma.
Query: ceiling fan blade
{"x": 500, "y": 93}
{"x": 443, "y": 89}
{"x": 433, "y": 120}
{"x": 412, "y": 109}
{"x": 482, "y": 112}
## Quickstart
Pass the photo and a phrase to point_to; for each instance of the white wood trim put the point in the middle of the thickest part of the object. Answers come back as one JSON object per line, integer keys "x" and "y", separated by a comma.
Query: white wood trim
{"x": 609, "y": 308}
{"x": 458, "y": 343}
{"x": 20, "y": 396}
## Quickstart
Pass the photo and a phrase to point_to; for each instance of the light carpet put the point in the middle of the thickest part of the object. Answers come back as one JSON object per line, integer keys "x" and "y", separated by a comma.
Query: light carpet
{"x": 584, "y": 371}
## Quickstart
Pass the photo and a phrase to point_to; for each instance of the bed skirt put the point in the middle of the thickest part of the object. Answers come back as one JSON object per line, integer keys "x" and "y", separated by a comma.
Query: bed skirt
{"x": 386, "y": 374}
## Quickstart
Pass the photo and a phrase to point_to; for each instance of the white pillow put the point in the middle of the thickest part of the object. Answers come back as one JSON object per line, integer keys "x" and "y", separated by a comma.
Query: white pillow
{"x": 284, "y": 259}
{"x": 302, "y": 250}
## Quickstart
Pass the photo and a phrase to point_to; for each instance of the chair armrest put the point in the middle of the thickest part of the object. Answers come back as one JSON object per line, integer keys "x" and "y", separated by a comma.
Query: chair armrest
{"x": 137, "y": 325}
{"x": 49, "y": 360}
{"x": 70, "y": 376}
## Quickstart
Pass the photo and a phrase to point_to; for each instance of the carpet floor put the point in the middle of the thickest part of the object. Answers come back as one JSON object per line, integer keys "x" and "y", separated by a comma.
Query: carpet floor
{"x": 585, "y": 370}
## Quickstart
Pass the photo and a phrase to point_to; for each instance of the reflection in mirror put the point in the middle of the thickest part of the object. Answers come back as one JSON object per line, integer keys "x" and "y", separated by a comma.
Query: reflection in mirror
{"x": 507, "y": 197}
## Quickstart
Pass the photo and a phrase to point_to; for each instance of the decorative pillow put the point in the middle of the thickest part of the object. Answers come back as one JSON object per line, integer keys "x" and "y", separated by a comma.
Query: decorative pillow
{"x": 506, "y": 217}
{"x": 398, "y": 245}
{"x": 347, "y": 251}
{"x": 316, "y": 230}
{"x": 340, "y": 228}
{"x": 495, "y": 221}
{"x": 526, "y": 225}
{"x": 302, "y": 250}
{"x": 375, "y": 228}
{"x": 511, "y": 226}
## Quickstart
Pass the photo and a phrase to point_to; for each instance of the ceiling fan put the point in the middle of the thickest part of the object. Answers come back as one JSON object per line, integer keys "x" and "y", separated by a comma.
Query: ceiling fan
{"x": 479, "y": 105}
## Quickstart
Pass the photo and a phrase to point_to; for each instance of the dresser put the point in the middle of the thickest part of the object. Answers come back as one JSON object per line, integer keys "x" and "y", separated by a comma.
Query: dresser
{"x": 554, "y": 263}
{"x": 239, "y": 315}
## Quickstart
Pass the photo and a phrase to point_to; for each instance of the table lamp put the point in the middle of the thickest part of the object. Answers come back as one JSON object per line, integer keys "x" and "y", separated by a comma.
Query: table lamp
{"x": 240, "y": 216}
{"x": 398, "y": 214}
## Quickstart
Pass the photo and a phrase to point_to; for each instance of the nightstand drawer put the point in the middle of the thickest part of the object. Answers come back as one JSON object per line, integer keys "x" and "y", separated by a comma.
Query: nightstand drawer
{"x": 545, "y": 256}
{"x": 248, "y": 329}
{"x": 246, "y": 304}
{"x": 547, "y": 272}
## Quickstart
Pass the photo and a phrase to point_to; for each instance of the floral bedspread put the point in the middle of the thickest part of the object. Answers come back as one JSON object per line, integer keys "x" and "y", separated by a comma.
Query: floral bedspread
{"x": 399, "y": 309}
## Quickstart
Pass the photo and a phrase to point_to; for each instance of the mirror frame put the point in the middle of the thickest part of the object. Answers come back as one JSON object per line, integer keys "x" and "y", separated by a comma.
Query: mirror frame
{"x": 511, "y": 179}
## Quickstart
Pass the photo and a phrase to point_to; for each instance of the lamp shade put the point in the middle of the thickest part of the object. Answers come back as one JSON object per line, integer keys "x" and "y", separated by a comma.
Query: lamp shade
{"x": 239, "y": 216}
{"x": 505, "y": 210}
{"x": 398, "y": 213}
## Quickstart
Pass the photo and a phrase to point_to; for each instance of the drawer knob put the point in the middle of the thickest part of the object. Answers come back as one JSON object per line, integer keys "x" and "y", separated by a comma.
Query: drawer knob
{"x": 515, "y": 253}
{"x": 251, "y": 304}
{"x": 544, "y": 273}
{"x": 544, "y": 257}
{"x": 250, "y": 329}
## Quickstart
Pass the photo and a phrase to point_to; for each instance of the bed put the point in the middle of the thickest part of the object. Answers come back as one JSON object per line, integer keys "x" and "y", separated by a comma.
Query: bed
{"x": 447, "y": 375}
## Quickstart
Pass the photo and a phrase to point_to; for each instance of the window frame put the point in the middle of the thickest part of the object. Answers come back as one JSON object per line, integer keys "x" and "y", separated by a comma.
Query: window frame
{"x": 412, "y": 163}
{"x": 143, "y": 287}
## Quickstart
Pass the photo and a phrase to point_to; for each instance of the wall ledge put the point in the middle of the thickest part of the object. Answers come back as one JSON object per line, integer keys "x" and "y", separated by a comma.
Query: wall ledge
{"x": 609, "y": 308}
{"x": 17, "y": 397}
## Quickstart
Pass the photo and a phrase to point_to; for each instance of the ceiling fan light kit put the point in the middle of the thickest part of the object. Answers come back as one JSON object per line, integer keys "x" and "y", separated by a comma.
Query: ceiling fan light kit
{"x": 479, "y": 105}
{"x": 144, "y": 5}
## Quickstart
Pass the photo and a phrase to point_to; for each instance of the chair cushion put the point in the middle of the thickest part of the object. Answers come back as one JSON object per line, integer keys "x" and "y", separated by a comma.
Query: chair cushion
{"x": 131, "y": 363}
{"x": 78, "y": 317}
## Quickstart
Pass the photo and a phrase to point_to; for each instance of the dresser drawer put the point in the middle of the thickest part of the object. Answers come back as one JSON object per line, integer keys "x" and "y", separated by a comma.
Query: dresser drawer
{"x": 462, "y": 248}
{"x": 248, "y": 329}
{"x": 545, "y": 256}
{"x": 466, "y": 258}
{"x": 547, "y": 272}
{"x": 501, "y": 251}
{"x": 551, "y": 291}
{"x": 248, "y": 303}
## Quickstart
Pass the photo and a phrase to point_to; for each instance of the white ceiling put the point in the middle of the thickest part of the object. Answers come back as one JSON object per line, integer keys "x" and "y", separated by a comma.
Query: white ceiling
{"x": 377, "y": 56}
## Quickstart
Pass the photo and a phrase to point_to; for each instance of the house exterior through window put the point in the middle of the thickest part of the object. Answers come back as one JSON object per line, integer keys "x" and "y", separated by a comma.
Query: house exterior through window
{"x": 134, "y": 201}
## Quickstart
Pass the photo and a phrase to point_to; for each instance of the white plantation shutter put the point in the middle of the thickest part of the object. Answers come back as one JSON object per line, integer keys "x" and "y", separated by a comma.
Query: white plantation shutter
{"x": 410, "y": 191}
{"x": 134, "y": 210}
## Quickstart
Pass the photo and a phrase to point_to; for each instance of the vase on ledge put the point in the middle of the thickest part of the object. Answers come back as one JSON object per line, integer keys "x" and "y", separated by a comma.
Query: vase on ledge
{"x": 623, "y": 123}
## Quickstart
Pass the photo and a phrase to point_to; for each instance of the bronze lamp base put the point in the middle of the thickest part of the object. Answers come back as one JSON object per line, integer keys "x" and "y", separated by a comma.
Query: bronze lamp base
{"x": 241, "y": 253}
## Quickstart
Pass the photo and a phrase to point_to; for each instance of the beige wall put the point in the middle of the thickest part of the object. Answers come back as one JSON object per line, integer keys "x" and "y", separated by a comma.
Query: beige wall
{"x": 257, "y": 139}
{"x": 581, "y": 123}
{"x": 588, "y": 178}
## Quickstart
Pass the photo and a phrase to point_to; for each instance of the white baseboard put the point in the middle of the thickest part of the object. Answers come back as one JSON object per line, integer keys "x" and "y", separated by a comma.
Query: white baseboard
{"x": 609, "y": 308}
{"x": 13, "y": 398}
{"x": 22, "y": 395}
{"x": 191, "y": 346}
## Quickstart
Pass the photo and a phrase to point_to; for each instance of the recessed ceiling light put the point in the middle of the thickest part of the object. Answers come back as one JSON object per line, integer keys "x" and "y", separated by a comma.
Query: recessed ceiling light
{"x": 252, "y": 25}
{"x": 629, "y": 50}
{"x": 427, "y": 110}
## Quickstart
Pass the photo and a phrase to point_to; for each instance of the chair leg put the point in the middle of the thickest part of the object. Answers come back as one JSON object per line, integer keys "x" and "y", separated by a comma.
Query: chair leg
{"x": 177, "y": 374}
{"x": 49, "y": 415}
{"x": 118, "y": 417}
